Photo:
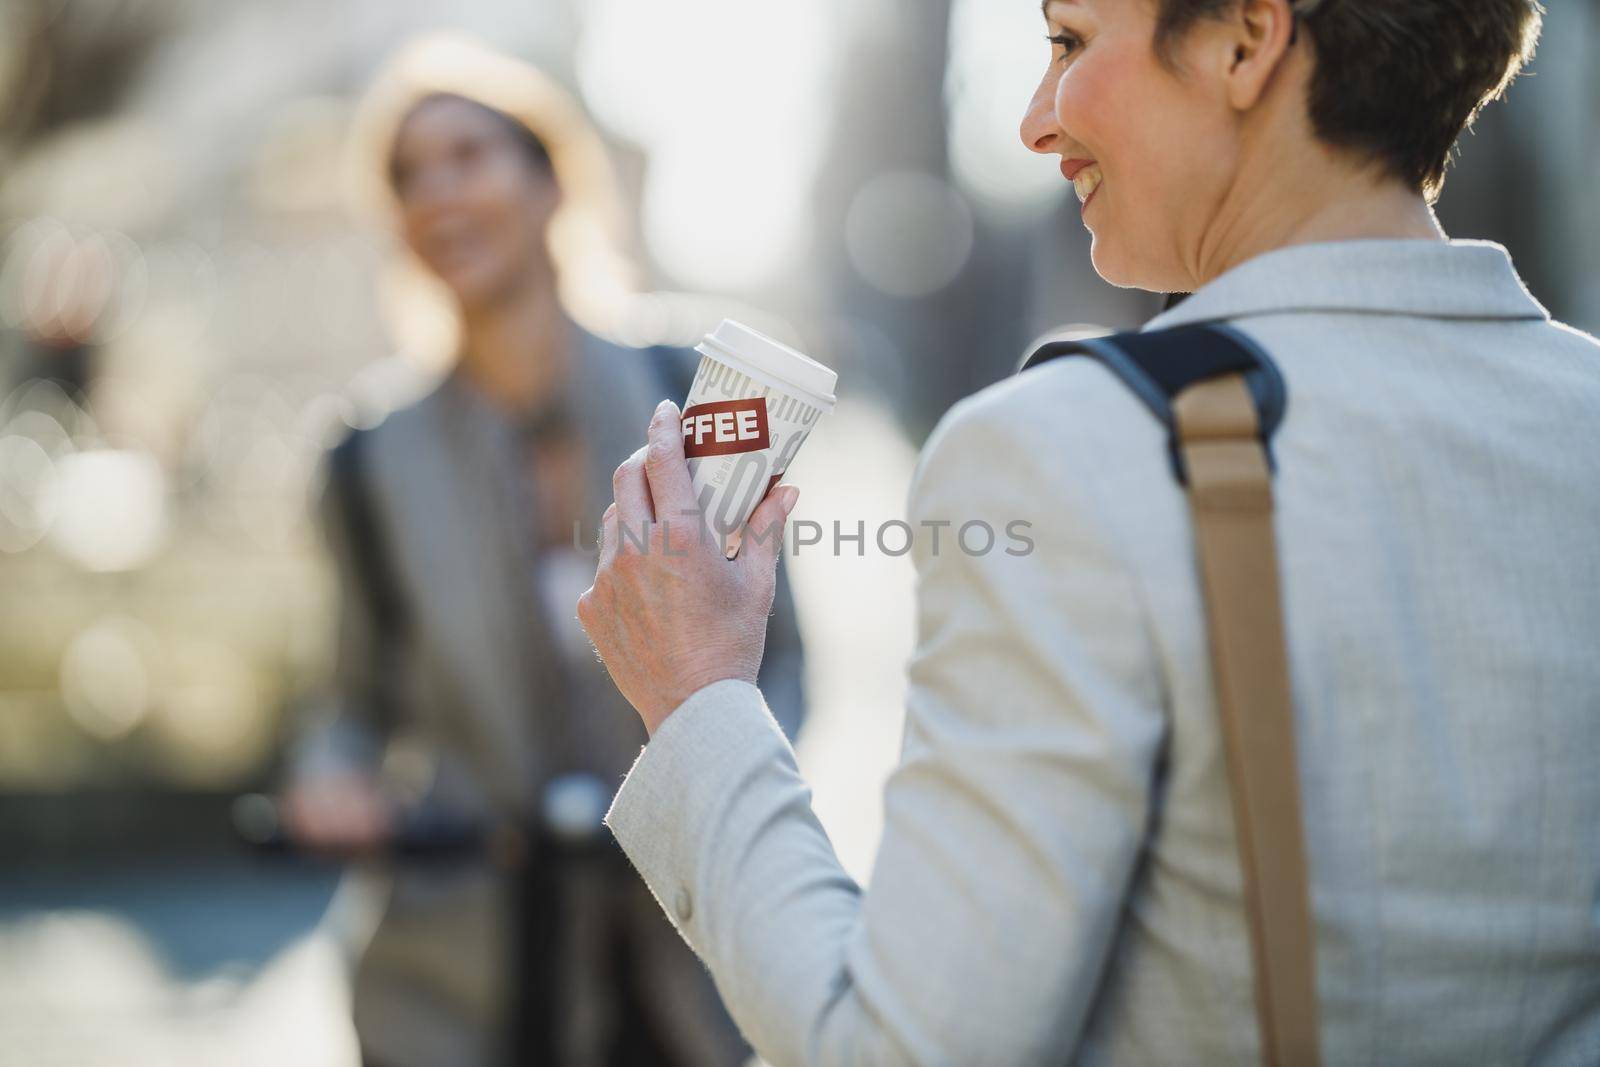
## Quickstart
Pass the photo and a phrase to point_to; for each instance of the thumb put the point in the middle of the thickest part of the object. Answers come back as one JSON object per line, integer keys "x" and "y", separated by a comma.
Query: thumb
{"x": 762, "y": 540}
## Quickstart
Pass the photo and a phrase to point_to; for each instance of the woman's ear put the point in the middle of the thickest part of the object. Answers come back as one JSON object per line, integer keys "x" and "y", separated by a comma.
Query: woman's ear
{"x": 1259, "y": 31}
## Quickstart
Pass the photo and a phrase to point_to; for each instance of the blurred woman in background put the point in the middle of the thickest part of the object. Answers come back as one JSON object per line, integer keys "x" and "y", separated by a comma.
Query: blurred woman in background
{"x": 467, "y": 695}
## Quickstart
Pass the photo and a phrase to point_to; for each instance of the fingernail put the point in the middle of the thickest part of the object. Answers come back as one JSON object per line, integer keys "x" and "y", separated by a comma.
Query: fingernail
{"x": 789, "y": 495}
{"x": 663, "y": 409}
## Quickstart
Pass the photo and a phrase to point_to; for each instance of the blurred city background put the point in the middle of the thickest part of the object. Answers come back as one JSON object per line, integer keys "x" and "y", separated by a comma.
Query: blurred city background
{"x": 191, "y": 312}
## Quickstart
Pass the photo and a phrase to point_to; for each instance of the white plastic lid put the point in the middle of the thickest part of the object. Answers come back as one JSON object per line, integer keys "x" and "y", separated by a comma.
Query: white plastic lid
{"x": 736, "y": 340}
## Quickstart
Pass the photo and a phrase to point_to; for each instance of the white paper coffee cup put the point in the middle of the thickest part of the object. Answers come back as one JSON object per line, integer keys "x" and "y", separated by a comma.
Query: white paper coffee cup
{"x": 750, "y": 408}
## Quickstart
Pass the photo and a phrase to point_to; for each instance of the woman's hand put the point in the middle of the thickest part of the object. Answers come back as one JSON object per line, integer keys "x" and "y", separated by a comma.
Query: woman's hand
{"x": 337, "y": 813}
{"x": 667, "y": 612}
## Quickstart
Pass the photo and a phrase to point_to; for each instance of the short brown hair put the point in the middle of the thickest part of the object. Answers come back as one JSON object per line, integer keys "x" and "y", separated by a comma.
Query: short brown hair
{"x": 1397, "y": 82}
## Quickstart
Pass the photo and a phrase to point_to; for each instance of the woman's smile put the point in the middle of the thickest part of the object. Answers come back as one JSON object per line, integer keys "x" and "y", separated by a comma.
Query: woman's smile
{"x": 1087, "y": 185}
{"x": 1085, "y": 176}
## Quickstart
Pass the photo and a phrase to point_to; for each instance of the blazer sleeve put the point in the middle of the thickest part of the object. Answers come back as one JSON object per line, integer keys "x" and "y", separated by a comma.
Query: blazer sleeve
{"x": 1013, "y": 823}
{"x": 347, "y": 730}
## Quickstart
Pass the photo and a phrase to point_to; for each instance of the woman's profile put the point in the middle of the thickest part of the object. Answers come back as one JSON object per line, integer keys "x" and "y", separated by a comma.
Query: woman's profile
{"x": 1059, "y": 875}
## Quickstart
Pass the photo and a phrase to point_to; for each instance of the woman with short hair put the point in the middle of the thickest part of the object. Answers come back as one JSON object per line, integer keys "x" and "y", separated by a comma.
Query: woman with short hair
{"x": 1059, "y": 878}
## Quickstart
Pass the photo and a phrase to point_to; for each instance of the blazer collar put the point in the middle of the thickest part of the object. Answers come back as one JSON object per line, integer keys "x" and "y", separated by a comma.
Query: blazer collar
{"x": 1431, "y": 279}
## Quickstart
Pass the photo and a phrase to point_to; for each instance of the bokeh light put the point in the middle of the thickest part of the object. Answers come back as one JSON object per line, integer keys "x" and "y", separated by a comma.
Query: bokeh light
{"x": 212, "y": 721}
{"x": 106, "y": 677}
{"x": 110, "y": 508}
{"x": 26, "y": 478}
{"x": 908, "y": 234}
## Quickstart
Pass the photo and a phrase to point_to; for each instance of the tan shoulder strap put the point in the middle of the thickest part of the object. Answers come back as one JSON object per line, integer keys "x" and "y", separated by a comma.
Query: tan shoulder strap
{"x": 1230, "y": 499}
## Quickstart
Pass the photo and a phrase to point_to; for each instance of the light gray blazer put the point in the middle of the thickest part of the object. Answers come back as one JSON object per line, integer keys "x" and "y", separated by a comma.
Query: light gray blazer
{"x": 1057, "y": 881}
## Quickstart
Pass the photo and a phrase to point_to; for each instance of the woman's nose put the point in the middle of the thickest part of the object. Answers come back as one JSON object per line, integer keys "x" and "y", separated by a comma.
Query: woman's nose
{"x": 1040, "y": 131}
{"x": 437, "y": 182}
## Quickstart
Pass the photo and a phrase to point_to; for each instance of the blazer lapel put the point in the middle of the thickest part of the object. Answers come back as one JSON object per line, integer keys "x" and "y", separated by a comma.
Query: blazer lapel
{"x": 447, "y": 518}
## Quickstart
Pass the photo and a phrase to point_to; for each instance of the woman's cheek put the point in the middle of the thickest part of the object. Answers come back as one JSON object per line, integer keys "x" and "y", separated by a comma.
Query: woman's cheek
{"x": 1092, "y": 97}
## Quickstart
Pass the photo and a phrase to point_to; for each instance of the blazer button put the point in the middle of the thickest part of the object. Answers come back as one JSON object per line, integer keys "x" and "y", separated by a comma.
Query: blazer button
{"x": 683, "y": 906}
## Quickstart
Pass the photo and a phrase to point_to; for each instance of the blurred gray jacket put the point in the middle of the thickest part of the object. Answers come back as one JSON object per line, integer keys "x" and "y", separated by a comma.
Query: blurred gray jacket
{"x": 1058, "y": 877}
{"x": 486, "y": 690}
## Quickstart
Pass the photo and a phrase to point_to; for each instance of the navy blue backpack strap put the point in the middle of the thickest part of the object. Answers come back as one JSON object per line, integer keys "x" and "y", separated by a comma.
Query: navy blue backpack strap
{"x": 1159, "y": 365}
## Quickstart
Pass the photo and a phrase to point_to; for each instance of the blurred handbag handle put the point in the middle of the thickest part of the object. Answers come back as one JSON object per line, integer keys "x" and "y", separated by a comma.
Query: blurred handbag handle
{"x": 1221, "y": 398}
